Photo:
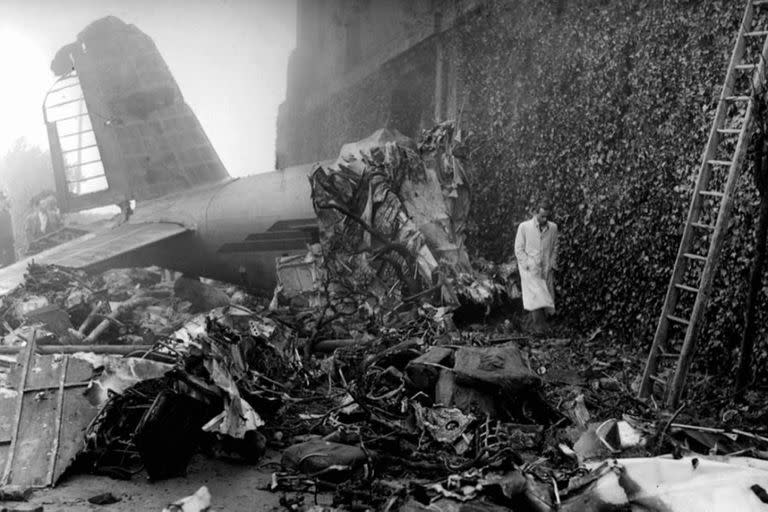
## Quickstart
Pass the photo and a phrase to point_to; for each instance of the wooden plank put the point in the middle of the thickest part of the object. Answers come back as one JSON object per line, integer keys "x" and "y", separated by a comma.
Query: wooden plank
{"x": 33, "y": 444}
{"x": 59, "y": 413}
{"x": 26, "y": 358}
{"x": 8, "y": 400}
{"x": 44, "y": 372}
{"x": 678, "y": 319}
{"x": 77, "y": 414}
{"x": 697, "y": 257}
{"x": 7, "y": 409}
{"x": 51, "y": 417}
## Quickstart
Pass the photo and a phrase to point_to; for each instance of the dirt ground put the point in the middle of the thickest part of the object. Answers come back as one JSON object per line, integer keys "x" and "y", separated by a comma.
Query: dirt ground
{"x": 233, "y": 488}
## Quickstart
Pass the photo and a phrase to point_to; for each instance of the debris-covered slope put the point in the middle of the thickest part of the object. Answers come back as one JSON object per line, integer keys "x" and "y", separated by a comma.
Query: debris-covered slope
{"x": 415, "y": 415}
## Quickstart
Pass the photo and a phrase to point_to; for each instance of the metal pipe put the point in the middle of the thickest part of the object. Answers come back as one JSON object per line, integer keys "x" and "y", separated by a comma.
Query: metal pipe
{"x": 72, "y": 349}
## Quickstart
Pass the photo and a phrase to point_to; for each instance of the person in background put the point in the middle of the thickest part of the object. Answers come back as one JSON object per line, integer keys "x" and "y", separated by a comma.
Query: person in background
{"x": 35, "y": 222}
{"x": 7, "y": 248}
{"x": 536, "y": 246}
{"x": 44, "y": 218}
{"x": 50, "y": 208}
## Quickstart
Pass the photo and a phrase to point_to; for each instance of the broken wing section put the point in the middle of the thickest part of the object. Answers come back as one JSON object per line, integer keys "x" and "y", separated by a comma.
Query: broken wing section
{"x": 118, "y": 126}
{"x": 95, "y": 250}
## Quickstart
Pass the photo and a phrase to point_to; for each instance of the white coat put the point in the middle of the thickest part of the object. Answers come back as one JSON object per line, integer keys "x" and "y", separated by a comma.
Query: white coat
{"x": 536, "y": 253}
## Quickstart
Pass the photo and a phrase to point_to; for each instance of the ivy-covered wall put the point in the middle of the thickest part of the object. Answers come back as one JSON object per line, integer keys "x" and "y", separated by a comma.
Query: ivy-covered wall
{"x": 605, "y": 108}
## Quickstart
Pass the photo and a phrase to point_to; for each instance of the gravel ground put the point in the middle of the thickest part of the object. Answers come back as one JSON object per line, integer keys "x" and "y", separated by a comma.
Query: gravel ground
{"x": 233, "y": 487}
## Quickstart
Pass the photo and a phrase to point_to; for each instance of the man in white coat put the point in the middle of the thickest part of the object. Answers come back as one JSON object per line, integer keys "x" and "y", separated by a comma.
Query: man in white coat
{"x": 536, "y": 253}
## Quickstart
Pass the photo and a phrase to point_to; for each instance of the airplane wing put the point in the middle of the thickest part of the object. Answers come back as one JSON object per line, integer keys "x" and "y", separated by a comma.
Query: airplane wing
{"x": 93, "y": 249}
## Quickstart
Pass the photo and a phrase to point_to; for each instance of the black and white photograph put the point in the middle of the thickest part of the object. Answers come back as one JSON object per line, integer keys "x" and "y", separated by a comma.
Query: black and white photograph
{"x": 383, "y": 255}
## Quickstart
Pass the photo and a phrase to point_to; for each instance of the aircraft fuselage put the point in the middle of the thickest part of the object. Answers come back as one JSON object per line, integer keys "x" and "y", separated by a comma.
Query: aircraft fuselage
{"x": 238, "y": 227}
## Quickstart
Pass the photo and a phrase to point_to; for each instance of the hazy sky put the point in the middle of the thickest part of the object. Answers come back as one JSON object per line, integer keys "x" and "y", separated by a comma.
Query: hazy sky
{"x": 229, "y": 58}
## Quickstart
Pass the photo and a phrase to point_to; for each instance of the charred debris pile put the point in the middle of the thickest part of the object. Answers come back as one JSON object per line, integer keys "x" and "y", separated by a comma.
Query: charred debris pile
{"x": 392, "y": 215}
{"x": 354, "y": 378}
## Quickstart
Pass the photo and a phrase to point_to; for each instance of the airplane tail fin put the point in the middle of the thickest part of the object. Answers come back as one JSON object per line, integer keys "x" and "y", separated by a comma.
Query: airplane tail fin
{"x": 118, "y": 126}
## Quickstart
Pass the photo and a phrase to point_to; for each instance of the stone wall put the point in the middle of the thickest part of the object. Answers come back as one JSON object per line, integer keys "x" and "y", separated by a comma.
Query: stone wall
{"x": 399, "y": 95}
{"x": 362, "y": 65}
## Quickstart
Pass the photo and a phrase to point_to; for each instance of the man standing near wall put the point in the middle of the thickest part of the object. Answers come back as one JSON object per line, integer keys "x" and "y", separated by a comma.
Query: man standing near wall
{"x": 536, "y": 252}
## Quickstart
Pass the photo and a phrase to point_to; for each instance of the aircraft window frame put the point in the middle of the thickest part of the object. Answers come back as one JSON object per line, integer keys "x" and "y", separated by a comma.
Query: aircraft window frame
{"x": 65, "y": 108}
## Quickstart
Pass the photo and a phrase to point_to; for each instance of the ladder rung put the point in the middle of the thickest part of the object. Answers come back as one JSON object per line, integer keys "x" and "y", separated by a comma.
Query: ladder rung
{"x": 756, "y": 33}
{"x": 746, "y": 66}
{"x": 725, "y": 163}
{"x": 729, "y": 130}
{"x": 738, "y": 98}
{"x": 661, "y": 381}
{"x": 678, "y": 319}
{"x": 759, "y": 2}
{"x": 711, "y": 193}
{"x": 687, "y": 288}
{"x": 703, "y": 226}
{"x": 695, "y": 256}
{"x": 669, "y": 355}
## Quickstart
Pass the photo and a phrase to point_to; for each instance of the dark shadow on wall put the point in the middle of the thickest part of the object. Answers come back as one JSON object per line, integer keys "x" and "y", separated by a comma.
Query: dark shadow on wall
{"x": 410, "y": 104}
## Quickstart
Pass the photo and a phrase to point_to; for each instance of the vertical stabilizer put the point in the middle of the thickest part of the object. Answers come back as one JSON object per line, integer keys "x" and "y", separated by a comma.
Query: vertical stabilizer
{"x": 118, "y": 126}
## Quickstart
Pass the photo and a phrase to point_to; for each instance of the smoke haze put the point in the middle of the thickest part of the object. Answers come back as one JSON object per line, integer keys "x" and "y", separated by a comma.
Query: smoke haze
{"x": 229, "y": 58}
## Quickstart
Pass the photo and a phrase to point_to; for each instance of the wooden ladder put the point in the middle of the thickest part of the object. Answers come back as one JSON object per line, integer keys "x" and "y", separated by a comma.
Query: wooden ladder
{"x": 699, "y": 252}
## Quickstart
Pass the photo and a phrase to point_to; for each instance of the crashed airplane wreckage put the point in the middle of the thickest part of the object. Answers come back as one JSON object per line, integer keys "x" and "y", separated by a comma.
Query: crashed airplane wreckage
{"x": 414, "y": 419}
{"x": 354, "y": 371}
{"x": 144, "y": 144}
{"x": 392, "y": 215}
{"x": 408, "y": 414}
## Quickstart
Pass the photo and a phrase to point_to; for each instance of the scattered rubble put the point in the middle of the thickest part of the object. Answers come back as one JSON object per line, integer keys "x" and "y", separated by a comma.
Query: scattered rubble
{"x": 413, "y": 417}
{"x": 327, "y": 461}
{"x": 356, "y": 371}
{"x": 198, "y": 502}
{"x": 392, "y": 213}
